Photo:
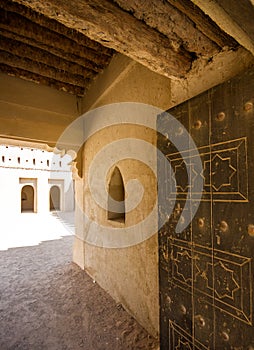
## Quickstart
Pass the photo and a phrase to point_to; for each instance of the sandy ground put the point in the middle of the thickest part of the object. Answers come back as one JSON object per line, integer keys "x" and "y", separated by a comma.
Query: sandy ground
{"x": 47, "y": 302}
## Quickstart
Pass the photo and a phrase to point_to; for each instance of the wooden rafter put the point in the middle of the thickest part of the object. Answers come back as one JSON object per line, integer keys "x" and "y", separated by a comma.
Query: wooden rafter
{"x": 39, "y": 79}
{"x": 109, "y": 25}
{"x": 204, "y": 23}
{"x": 42, "y": 69}
{"x": 53, "y": 25}
{"x": 172, "y": 23}
{"x": 26, "y": 51}
{"x": 97, "y": 65}
{"x": 17, "y": 24}
{"x": 69, "y": 42}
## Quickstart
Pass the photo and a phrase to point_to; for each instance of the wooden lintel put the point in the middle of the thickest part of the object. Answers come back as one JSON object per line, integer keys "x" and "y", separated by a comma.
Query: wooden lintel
{"x": 204, "y": 23}
{"x": 112, "y": 27}
{"x": 171, "y": 22}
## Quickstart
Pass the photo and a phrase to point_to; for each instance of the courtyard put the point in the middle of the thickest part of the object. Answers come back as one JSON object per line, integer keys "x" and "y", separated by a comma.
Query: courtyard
{"x": 48, "y": 302}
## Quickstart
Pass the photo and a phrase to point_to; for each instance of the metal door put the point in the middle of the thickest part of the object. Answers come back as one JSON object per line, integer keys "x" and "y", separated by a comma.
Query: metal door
{"x": 206, "y": 271}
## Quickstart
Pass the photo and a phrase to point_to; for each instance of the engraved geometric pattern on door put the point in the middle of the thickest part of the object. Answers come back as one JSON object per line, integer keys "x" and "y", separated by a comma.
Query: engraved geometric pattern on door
{"x": 222, "y": 171}
{"x": 206, "y": 271}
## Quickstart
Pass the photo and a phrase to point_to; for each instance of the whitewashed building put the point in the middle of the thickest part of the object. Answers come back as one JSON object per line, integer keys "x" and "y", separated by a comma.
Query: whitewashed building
{"x": 34, "y": 180}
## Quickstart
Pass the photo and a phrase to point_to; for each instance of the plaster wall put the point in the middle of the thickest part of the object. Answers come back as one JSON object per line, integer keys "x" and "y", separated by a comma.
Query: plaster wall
{"x": 29, "y": 111}
{"x": 9, "y": 199}
{"x": 21, "y": 166}
{"x": 125, "y": 80}
{"x": 130, "y": 274}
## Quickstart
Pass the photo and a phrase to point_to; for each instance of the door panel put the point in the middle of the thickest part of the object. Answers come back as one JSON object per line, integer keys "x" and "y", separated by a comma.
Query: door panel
{"x": 206, "y": 271}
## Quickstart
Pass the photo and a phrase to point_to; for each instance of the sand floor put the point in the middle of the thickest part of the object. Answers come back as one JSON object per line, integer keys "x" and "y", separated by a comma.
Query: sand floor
{"x": 47, "y": 302}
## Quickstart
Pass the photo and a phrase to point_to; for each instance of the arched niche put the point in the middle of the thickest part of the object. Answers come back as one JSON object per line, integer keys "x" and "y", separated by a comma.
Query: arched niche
{"x": 116, "y": 191}
{"x": 27, "y": 199}
{"x": 55, "y": 198}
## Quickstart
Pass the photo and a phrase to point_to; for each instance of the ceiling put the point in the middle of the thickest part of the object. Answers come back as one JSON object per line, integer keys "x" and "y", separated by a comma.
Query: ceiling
{"x": 66, "y": 44}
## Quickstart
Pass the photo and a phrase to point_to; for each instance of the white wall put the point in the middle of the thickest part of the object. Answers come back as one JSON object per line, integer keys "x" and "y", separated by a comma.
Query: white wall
{"x": 20, "y": 166}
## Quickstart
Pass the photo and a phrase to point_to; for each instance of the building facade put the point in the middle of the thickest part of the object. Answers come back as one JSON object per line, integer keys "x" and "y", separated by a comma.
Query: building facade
{"x": 185, "y": 286}
{"x": 34, "y": 180}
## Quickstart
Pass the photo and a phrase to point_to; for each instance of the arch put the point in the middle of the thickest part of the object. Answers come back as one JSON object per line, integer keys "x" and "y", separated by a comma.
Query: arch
{"x": 55, "y": 198}
{"x": 27, "y": 198}
{"x": 117, "y": 192}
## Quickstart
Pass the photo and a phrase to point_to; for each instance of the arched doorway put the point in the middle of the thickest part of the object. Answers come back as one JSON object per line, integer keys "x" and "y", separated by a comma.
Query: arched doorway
{"x": 27, "y": 199}
{"x": 54, "y": 198}
{"x": 116, "y": 211}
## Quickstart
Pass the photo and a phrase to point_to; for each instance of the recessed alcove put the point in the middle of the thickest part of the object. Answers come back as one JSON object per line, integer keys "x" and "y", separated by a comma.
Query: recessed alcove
{"x": 116, "y": 191}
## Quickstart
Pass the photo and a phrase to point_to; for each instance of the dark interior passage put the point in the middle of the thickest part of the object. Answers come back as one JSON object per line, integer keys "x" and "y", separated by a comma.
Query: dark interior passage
{"x": 54, "y": 198}
{"x": 27, "y": 198}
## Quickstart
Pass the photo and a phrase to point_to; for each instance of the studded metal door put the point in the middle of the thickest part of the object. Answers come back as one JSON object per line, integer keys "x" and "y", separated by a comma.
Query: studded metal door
{"x": 206, "y": 271}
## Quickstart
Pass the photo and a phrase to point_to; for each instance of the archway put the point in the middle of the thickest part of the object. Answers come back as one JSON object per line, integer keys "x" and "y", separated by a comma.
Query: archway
{"x": 54, "y": 198}
{"x": 116, "y": 191}
{"x": 27, "y": 199}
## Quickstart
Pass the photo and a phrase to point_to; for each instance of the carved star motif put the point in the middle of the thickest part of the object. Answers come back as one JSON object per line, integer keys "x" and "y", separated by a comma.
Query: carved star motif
{"x": 224, "y": 281}
{"x": 222, "y": 172}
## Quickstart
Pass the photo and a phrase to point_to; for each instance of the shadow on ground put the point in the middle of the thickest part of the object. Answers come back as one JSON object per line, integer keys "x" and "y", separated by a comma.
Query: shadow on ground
{"x": 47, "y": 302}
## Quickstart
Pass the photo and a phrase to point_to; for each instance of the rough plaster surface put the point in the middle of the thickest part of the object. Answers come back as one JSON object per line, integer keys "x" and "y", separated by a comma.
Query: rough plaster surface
{"x": 128, "y": 274}
{"x": 125, "y": 80}
{"x": 205, "y": 75}
{"x": 33, "y": 112}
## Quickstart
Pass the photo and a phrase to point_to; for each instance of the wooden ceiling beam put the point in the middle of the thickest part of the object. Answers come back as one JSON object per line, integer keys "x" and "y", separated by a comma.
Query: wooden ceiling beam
{"x": 171, "y": 22}
{"x": 19, "y": 25}
{"x": 23, "y": 50}
{"x": 228, "y": 19}
{"x": 109, "y": 25}
{"x": 54, "y": 26}
{"x": 39, "y": 79}
{"x": 97, "y": 65}
{"x": 204, "y": 23}
{"x": 41, "y": 69}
